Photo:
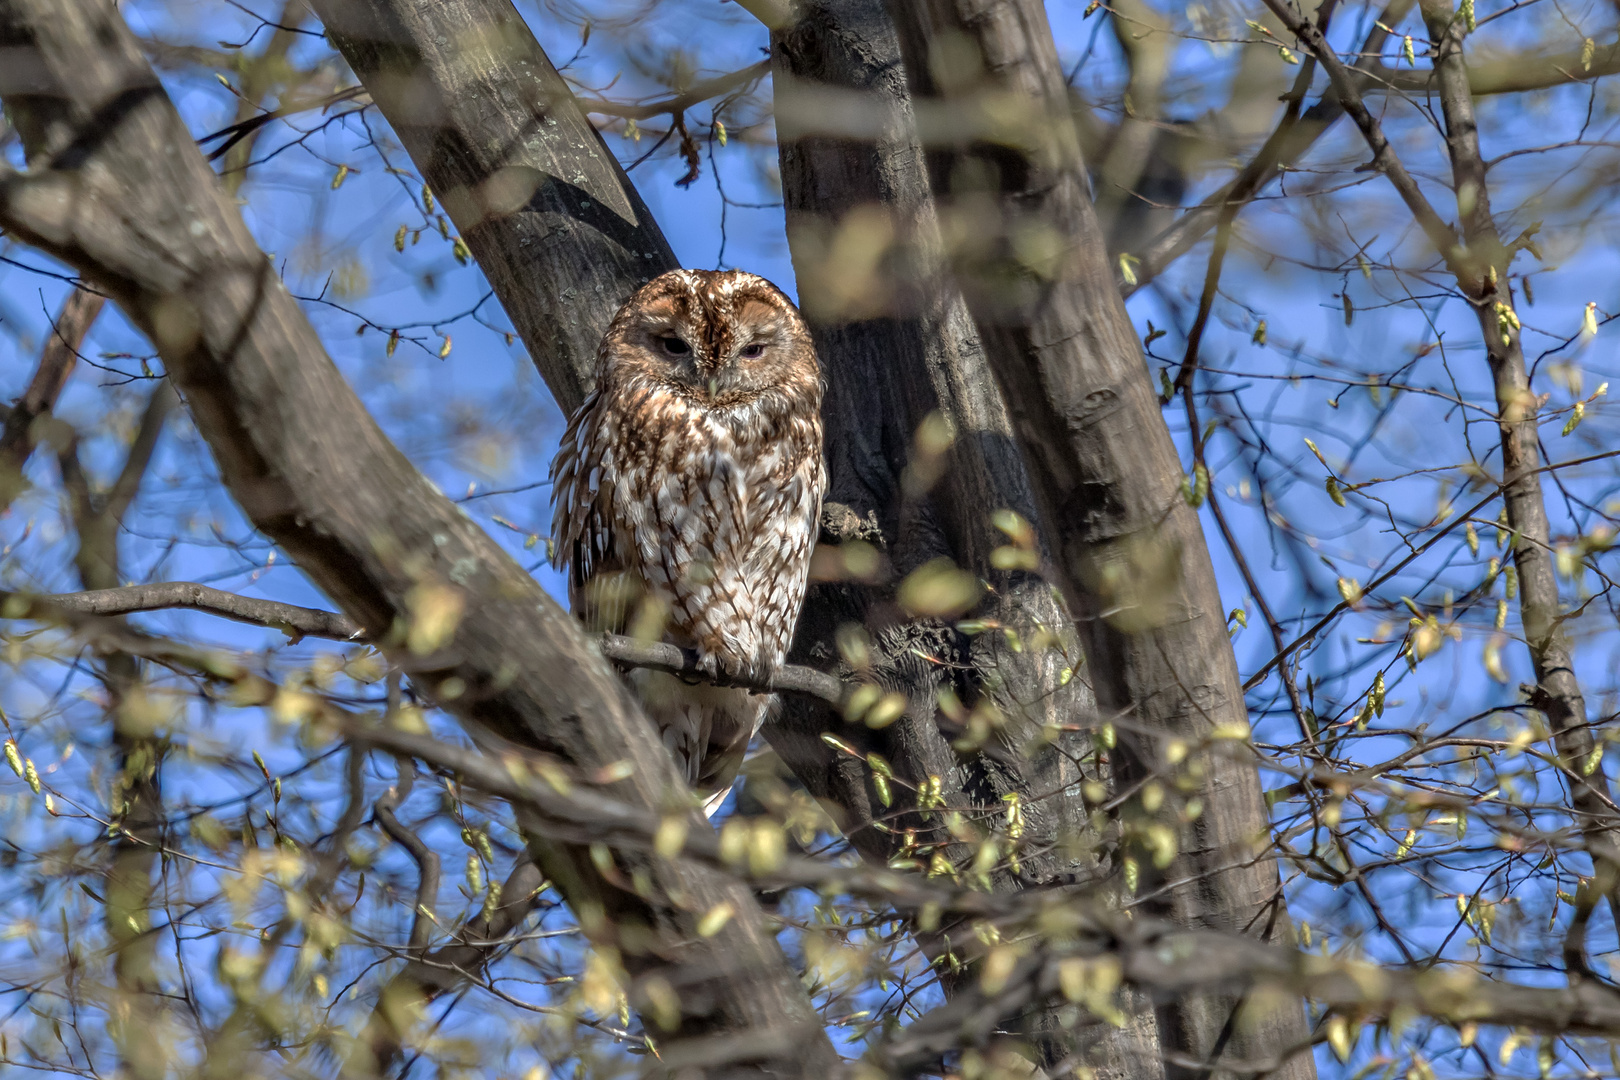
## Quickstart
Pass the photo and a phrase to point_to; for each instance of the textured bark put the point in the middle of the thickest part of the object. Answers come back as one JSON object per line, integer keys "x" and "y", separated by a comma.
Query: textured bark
{"x": 1129, "y": 551}
{"x": 312, "y": 470}
{"x": 885, "y": 375}
{"x": 555, "y": 225}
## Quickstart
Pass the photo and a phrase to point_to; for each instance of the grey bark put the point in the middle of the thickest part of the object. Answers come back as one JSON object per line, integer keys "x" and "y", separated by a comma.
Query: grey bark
{"x": 885, "y": 375}
{"x": 1130, "y": 553}
{"x": 118, "y": 190}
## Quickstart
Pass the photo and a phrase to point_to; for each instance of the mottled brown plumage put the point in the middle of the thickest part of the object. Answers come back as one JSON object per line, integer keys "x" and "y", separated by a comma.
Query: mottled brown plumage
{"x": 686, "y": 495}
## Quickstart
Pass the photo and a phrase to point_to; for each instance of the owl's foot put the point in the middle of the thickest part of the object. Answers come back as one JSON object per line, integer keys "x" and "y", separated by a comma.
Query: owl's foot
{"x": 707, "y": 665}
{"x": 750, "y": 672}
{"x": 731, "y": 670}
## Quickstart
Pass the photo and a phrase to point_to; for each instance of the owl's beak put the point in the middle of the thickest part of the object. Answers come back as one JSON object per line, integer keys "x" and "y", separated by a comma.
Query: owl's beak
{"x": 714, "y": 388}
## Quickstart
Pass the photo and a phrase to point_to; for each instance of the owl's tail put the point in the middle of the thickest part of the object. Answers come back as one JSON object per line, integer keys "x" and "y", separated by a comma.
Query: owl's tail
{"x": 707, "y": 728}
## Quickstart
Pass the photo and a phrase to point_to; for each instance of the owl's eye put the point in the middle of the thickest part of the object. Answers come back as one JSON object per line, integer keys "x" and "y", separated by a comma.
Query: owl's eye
{"x": 674, "y": 346}
{"x": 752, "y": 352}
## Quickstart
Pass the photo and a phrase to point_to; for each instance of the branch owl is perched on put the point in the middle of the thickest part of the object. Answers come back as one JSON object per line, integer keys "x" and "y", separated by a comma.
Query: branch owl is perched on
{"x": 686, "y": 495}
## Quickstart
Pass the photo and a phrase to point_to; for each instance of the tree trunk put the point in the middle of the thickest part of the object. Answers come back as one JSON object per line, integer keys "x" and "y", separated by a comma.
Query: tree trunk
{"x": 118, "y": 190}
{"x": 887, "y": 371}
{"x": 1131, "y": 556}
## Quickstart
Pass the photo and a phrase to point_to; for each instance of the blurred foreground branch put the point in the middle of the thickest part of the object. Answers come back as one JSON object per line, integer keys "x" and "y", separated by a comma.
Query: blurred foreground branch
{"x": 56, "y": 363}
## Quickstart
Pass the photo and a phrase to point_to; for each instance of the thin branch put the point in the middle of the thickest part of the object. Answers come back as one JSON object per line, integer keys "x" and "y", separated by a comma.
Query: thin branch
{"x": 300, "y": 622}
{"x": 1513, "y": 74}
{"x": 674, "y": 106}
{"x": 451, "y": 966}
{"x": 1286, "y": 145}
{"x": 235, "y": 133}
{"x": 1346, "y": 83}
{"x": 426, "y": 859}
{"x": 295, "y": 621}
{"x": 1155, "y": 954}
{"x": 56, "y": 363}
{"x": 673, "y": 660}
{"x": 1342, "y": 606}
{"x": 158, "y": 407}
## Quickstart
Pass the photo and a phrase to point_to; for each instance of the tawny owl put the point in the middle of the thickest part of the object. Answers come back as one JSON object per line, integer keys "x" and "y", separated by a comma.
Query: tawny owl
{"x": 686, "y": 496}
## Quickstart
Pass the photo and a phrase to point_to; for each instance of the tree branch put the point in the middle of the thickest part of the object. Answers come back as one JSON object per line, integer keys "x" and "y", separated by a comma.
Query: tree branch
{"x": 1153, "y": 953}
{"x": 300, "y": 622}
{"x": 703, "y": 91}
{"x": 426, "y": 859}
{"x": 1346, "y": 86}
{"x": 1512, "y": 74}
{"x": 291, "y": 619}
{"x": 56, "y": 363}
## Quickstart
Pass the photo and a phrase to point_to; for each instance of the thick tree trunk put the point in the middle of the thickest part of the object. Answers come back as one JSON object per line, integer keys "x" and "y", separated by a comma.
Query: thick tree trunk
{"x": 918, "y": 355}
{"x": 119, "y": 191}
{"x": 1131, "y": 556}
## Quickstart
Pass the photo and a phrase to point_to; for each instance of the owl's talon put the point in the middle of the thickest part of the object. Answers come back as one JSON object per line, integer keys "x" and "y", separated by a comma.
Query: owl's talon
{"x": 708, "y": 665}
{"x": 752, "y": 673}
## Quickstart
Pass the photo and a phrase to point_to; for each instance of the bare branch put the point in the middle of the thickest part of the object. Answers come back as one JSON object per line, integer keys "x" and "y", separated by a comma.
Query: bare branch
{"x": 426, "y": 859}
{"x": 1346, "y": 86}
{"x": 1512, "y": 74}
{"x": 703, "y": 91}
{"x": 313, "y": 622}
{"x": 290, "y": 618}
{"x": 1291, "y": 139}
{"x": 56, "y": 363}
{"x": 658, "y": 656}
{"x": 1154, "y": 953}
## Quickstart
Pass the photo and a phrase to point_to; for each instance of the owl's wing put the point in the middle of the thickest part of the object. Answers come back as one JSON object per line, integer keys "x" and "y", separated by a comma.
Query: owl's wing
{"x": 582, "y": 534}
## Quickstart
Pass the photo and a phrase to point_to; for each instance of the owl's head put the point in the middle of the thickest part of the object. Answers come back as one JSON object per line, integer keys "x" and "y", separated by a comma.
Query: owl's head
{"x": 718, "y": 337}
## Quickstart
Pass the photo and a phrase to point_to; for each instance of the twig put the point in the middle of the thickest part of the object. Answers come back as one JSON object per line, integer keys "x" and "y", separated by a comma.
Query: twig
{"x": 291, "y": 619}
{"x": 1155, "y": 953}
{"x": 56, "y": 362}
{"x": 1346, "y": 84}
{"x": 678, "y": 104}
{"x": 426, "y": 859}
{"x": 236, "y": 132}
{"x": 1292, "y": 137}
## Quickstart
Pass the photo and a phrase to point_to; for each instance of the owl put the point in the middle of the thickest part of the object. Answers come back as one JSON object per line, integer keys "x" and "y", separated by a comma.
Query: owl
{"x": 686, "y": 495}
